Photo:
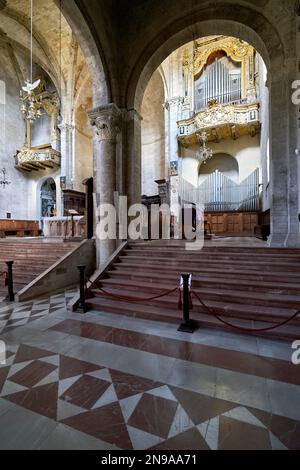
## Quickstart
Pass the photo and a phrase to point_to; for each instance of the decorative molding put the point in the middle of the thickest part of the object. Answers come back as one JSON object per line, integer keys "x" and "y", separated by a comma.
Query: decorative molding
{"x": 107, "y": 122}
{"x": 175, "y": 101}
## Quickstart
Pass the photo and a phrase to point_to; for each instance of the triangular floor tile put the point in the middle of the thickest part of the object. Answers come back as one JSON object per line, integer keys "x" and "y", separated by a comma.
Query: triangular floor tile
{"x": 17, "y": 367}
{"x": 142, "y": 440}
{"x": 26, "y": 353}
{"x": 181, "y": 423}
{"x": 210, "y": 432}
{"x": 65, "y": 384}
{"x": 70, "y": 367}
{"x": 54, "y": 360}
{"x": 109, "y": 396}
{"x": 163, "y": 392}
{"x": 50, "y": 379}
{"x": 276, "y": 444}
{"x": 128, "y": 405}
{"x": 42, "y": 400}
{"x": 102, "y": 374}
{"x": 105, "y": 423}
{"x": 66, "y": 410}
{"x": 243, "y": 415}
{"x": 11, "y": 388}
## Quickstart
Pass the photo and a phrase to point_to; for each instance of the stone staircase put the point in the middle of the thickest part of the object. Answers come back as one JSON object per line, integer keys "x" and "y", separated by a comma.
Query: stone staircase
{"x": 252, "y": 287}
{"x": 31, "y": 258}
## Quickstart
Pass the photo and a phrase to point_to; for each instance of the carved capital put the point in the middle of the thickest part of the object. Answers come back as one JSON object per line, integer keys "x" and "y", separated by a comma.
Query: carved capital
{"x": 107, "y": 122}
{"x": 175, "y": 101}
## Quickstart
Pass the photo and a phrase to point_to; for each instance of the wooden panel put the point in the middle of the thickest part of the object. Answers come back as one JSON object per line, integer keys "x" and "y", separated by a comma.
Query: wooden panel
{"x": 20, "y": 228}
{"x": 232, "y": 222}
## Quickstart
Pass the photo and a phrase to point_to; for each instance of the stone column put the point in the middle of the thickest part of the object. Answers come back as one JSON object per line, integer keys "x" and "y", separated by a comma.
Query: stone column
{"x": 66, "y": 146}
{"x": 284, "y": 164}
{"x": 106, "y": 121}
{"x": 133, "y": 172}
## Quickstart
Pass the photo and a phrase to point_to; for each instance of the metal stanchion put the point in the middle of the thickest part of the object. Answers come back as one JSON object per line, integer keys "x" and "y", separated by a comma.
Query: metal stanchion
{"x": 187, "y": 326}
{"x": 10, "y": 281}
{"x": 82, "y": 307}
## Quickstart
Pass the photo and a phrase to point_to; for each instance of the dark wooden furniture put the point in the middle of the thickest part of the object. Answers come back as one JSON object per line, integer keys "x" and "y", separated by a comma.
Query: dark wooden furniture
{"x": 74, "y": 200}
{"x": 18, "y": 228}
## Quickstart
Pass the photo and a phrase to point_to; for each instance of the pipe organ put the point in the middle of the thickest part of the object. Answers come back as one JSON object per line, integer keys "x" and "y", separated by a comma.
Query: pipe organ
{"x": 218, "y": 82}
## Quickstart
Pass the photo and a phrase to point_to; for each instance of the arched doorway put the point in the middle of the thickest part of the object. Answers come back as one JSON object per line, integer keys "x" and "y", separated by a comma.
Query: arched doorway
{"x": 48, "y": 199}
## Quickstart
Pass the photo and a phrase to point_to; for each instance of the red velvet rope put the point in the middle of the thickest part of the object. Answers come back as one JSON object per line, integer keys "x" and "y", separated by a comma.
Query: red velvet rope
{"x": 136, "y": 299}
{"x": 241, "y": 328}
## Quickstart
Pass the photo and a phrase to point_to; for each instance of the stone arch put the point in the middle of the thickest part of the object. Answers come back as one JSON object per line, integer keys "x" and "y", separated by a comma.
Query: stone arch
{"x": 226, "y": 19}
{"x": 102, "y": 93}
{"x": 223, "y": 162}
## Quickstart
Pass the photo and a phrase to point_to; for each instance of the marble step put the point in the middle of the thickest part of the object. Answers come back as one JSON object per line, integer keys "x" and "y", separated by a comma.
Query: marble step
{"x": 198, "y": 281}
{"x": 208, "y": 294}
{"x": 198, "y": 261}
{"x": 161, "y": 271}
{"x": 202, "y": 320}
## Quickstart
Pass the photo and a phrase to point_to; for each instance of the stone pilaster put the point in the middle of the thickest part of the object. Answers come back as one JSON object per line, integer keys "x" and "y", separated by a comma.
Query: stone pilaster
{"x": 133, "y": 172}
{"x": 284, "y": 164}
{"x": 66, "y": 149}
{"x": 106, "y": 121}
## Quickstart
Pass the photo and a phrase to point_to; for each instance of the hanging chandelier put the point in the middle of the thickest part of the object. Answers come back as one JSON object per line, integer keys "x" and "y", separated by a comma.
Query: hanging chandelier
{"x": 3, "y": 180}
{"x": 31, "y": 104}
{"x": 205, "y": 152}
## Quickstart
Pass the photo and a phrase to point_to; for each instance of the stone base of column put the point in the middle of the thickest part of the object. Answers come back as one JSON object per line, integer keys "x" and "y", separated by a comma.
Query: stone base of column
{"x": 293, "y": 240}
{"x": 282, "y": 240}
{"x": 105, "y": 249}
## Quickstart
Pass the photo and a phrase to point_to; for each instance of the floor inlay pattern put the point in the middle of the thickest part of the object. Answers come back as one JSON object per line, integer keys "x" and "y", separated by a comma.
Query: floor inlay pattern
{"x": 132, "y": 412}
{"x": 14, "y": 314}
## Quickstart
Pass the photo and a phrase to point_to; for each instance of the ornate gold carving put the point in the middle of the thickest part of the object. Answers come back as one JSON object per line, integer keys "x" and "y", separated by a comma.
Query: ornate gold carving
{"x": 236, "y": 49}
{"x": 220, "y": 122}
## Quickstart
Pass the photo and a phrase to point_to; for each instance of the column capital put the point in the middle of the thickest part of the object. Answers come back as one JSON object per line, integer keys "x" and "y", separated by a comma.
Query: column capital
{"x": 107, "y": 121}
{"x": 175, "y": 101}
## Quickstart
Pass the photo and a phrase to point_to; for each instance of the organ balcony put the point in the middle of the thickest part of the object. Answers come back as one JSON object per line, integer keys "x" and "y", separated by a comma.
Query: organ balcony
{"x": 30, "y": 159}
{"x": 221, "y": 121}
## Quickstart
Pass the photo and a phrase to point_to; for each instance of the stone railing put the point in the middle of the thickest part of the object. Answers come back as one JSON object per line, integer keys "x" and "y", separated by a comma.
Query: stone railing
{"x": 31, "y": 159}
{"x": 61, "y": 227}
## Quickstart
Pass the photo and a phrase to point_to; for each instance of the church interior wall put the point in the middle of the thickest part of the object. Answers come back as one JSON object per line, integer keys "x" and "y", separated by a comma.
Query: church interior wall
{"x": 153, "y": 136}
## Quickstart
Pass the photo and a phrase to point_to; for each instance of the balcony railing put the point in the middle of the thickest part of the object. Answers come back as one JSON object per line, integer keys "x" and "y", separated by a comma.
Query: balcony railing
{"x": 34, "y": 160}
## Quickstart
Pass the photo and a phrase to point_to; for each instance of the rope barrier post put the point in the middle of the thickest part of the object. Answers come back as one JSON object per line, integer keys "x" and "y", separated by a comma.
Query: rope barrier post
{"x": 187, "y": 326}
{"x": 10, "y": 281}
{"x": 82, "y": 307}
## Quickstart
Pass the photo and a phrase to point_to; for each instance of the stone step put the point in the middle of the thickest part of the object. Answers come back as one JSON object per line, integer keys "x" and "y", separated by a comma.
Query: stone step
{"x": 202, "y": 320}
{"x": 198, "y": 281}
{"x": 198, "y": 261}
{"x": 207, "y": 271}
{"x": 208, "y": 294}
{"x": 211, "y": 254}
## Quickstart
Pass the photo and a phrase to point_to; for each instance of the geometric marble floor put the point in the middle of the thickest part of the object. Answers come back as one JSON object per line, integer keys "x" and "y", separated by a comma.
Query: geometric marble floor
{"x": 96, "y": 382}
{"x": 19, "y": 314}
